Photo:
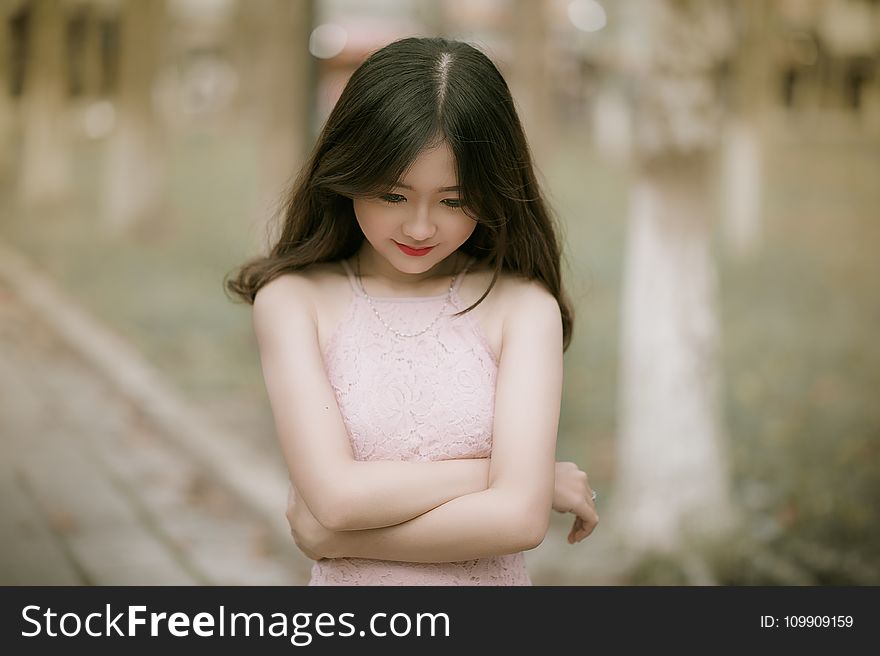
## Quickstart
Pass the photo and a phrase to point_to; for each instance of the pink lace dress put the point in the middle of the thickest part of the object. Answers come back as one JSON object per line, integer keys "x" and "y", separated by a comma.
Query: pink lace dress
{"x": 429, "y": 397}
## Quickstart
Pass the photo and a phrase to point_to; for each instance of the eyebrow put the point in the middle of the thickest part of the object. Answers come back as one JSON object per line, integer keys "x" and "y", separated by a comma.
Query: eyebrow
{"x": 406, "y": 186}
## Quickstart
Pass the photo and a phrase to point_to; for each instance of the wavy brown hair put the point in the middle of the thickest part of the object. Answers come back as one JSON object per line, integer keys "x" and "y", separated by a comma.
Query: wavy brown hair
{"x": 402, "y": 99}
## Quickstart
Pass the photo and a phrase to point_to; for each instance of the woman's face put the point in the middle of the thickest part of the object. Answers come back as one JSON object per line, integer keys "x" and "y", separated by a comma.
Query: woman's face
{"x": 421, "y": 211}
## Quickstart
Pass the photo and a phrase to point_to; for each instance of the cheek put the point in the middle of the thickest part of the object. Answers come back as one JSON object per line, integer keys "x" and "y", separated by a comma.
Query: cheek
{"x": 369, "y": 217}
{"x": 465, "y": 228}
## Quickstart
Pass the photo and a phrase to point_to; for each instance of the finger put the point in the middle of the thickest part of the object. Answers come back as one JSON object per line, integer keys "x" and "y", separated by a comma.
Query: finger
{"x": 588, "y": 530}
{"x": 586, "y": 513}
{"x": 575, "y": 527}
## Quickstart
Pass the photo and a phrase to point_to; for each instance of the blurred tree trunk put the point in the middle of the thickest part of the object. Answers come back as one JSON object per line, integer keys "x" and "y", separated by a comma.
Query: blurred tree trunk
{"x": 134, "y": 185}
{"x": 7, "y": 107}
{"x": 92, "y": 55}
{"x": 528, "y": 74}
{"x": 745, "y": 132}
{"x": 278, "y": 84}
{"x": 672, "y": 489}
{"x": 45, "y": 175}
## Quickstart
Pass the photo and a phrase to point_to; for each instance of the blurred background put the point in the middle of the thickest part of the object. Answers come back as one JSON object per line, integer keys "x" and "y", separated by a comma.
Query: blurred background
{"x": 714, "y": 167}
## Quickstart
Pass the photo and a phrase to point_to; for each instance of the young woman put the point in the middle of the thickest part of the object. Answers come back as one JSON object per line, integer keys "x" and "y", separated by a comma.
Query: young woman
{"x": 411, "y": 324}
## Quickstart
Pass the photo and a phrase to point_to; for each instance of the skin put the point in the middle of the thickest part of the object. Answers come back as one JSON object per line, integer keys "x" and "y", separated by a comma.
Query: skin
{"x": 419, "y": 216}
{"x": 572, "y": 494}
{"x": 417, "y": 511}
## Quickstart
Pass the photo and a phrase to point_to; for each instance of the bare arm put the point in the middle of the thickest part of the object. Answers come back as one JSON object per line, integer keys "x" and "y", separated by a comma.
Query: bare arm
{"x": 572, "y": 494}
{"x": 514, "y": 512}
{"x": 343, "y": 493}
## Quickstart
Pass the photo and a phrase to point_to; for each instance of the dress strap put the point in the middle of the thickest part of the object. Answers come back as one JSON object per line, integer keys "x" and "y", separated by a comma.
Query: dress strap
{"x": 460, "y": 277}
{"x": 351, "y": 278}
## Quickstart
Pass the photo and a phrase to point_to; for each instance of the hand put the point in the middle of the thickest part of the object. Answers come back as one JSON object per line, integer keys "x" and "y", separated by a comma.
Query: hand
{"x": 312, "y": 538}
{"x": 572, "y": 493}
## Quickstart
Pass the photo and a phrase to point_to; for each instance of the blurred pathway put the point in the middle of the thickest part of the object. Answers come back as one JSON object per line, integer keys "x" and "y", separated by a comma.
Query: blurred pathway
{"x": 107, "y": 478}
{"x": 92, "y": 492}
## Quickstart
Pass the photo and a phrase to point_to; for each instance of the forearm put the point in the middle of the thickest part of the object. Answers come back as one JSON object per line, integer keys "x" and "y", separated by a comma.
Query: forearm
{"x": 380, "y": 493}
{"x": 477, "y": 525}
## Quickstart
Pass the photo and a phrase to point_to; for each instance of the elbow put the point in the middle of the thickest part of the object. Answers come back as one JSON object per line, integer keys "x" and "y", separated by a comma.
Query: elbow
{"x": 332, "y": 518}
{"x": 533, "y": 526}
{"x": 533, "y": 535}
{"x": 340, "y": 506}
{"x": 333, "y": 512}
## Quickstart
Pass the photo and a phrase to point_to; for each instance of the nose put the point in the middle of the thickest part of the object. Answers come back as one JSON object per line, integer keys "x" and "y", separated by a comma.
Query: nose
{"x": 419, "y": 226}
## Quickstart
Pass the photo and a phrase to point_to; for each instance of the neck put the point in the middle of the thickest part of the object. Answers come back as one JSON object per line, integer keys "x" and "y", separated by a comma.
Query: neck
{"x": 381, "y": 274}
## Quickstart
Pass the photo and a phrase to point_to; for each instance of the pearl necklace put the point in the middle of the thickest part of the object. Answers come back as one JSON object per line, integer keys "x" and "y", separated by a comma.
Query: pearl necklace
{"x": 385, "y": 323}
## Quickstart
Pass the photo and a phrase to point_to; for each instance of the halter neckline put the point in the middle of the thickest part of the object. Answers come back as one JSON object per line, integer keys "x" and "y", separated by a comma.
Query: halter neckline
{"x": 360, "y": 291}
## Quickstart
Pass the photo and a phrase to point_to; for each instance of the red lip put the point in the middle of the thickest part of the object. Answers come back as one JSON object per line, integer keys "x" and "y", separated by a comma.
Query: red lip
{"x": 409, "y": 250}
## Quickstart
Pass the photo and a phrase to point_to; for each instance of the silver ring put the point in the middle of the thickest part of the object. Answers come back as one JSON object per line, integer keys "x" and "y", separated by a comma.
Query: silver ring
{"x": 594, "y": 495}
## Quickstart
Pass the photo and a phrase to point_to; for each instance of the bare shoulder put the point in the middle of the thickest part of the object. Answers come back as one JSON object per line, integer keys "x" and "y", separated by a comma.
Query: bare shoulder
{"x": 529, "y": 307}
{"x": 287, "y": 297}
{"x": 304, "y": 285}
{"x": 289, "y": 292}
{"x": 512, "y": 302}
{"x": 524, "y": 297}
{"x": 300, "y": 295}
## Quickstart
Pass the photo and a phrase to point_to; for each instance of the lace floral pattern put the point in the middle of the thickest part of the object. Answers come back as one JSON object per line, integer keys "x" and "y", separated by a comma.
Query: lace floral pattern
{"x": 429, "y": 397}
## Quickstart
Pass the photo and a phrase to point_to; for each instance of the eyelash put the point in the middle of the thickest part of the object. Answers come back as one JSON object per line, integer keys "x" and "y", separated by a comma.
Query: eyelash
{"x": 385, "y": 199}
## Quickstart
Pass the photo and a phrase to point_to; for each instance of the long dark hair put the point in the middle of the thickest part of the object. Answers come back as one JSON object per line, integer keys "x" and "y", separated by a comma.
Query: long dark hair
{"x": 403, "y": 98}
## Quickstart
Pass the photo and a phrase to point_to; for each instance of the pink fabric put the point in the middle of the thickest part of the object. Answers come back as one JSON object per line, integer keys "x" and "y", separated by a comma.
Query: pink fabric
{"x": 429, "y": 397}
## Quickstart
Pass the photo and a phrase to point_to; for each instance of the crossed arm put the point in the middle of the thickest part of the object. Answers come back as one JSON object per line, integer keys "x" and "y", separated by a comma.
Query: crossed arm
{"x": 417, "y": 511}
{"x": 572, "y": 494}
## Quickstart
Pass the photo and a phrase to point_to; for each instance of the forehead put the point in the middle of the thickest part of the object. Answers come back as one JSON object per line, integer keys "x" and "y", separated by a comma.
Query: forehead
{"x": 433, "y": 167}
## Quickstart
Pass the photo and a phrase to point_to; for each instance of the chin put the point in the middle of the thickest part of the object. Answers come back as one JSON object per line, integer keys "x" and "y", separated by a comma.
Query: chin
{"x": 410, "y": 264}
{"x": 414, "y": 265}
